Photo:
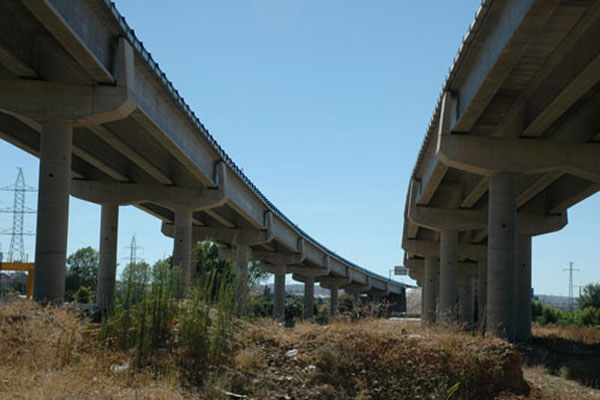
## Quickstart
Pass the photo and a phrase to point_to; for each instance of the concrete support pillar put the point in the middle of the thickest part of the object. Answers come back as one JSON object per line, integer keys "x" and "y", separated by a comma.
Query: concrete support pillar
{"x": 429, "y": 291}
{"x": 107, "y": 268}
{"x": 309, "y": 297}
{"x": 448, "y": 276}
{"x": 54, "y": 189}
{"x": 241, "y": 272}
{"x": 523, "y": 289}
{"x": 482, "y": 292}
{"x": 182, "y": 247}
{"x": 333, "y": 300}
{"x": 502, "y": 221}
{"x": 279, "y": 298}
{"x": 465, "y": 299}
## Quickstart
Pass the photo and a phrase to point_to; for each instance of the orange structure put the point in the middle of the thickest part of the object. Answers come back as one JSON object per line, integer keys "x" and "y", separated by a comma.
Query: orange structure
{"x": 20, "y": 266}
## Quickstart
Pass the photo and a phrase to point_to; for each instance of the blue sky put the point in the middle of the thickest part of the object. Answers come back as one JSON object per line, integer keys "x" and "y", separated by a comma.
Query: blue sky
{"x": 324, "y": 105}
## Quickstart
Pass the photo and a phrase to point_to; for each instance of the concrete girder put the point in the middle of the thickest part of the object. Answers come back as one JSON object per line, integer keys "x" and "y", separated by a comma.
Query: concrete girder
{"x": 14, "y": 64}
{"x": 440, "y": 219}
{"x": 229, "y": 236}
{"x": 309, "y": 272}
{"x": 277, "y": 258}
{"x": 54, "y": 22}
{"x": 436, "y": 170}
{"x": 168, "y": 196}
{"x": 432, "y": 249}
{"x": 131, "y": 153}
{"x": 476, "y": 193}
{"x": 493, "y": 60}
{"x": 77, "y": 103}
{"x": 488, "y": 155}
{"x": 567, "y": 62}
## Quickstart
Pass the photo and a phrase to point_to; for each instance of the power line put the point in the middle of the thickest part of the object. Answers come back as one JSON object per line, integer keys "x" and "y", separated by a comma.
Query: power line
{"x": 571, "y": 269}
{"x": 16, "y": 251}
{"x": 133, "y": 248}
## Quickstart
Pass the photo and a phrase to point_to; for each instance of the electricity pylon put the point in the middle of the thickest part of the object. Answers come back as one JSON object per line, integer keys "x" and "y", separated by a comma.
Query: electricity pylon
{"x": 16, "y": 251}
{"x": 570, "y": 269}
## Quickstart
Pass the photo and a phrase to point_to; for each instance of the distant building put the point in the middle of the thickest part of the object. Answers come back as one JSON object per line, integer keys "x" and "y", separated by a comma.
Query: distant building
{"x": 559, "y": 302}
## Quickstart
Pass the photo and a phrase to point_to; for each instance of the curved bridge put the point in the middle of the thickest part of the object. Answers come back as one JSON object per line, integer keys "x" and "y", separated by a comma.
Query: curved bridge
{"x": 80, "y": 91}
{"x": 513, "y": 143}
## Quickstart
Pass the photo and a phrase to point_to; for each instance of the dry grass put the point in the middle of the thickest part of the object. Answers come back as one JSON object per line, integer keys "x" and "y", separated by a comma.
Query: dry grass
{"x": 580, "y": 334}
{"x": 375, "y": 359}
{"x": 49, "y": 353}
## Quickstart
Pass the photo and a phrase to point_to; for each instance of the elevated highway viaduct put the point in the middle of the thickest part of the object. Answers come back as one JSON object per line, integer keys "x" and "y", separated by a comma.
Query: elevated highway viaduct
{"x": 514, "y": 141}
{"x": 80, "y": 91}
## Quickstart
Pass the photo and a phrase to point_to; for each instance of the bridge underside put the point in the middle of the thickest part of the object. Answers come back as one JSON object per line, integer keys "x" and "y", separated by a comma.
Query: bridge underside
{"x": 513, "y": 143}
{"x": 79, "y": 91}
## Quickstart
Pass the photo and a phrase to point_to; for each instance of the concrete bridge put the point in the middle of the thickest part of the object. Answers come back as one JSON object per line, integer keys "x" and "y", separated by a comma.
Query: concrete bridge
{"x": 80, "y": 91}
{"x": 514, "y": 141}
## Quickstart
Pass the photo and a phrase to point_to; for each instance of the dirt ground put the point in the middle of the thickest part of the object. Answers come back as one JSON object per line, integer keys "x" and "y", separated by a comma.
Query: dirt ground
{"x": 52, "y": 354}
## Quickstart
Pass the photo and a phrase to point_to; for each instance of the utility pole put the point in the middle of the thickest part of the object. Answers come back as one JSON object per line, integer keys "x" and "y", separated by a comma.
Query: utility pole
{"x": 16, "y": 251}
{"x": 133, "y": 247}
{"x": 571, "y": 269}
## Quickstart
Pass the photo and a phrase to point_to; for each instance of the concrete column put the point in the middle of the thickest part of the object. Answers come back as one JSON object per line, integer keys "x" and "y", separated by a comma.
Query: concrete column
{"x": 482, "y": 291}
{"x": 241, "y": 271}
{"x": 309, "y": 297}
{"x": 333, "y": 300}
{"x": 448, "y": 276}
{"x": 107, "y": 269}
{"x": 279, "y": 298}
{"x": 182, "y": 247}
{"x": 523, "y": 288}
{"x": 465, "y": 299}
{"x": 54, "y": 189}
{"x": 429, "y": 291}
{"x": 502, "y": 221}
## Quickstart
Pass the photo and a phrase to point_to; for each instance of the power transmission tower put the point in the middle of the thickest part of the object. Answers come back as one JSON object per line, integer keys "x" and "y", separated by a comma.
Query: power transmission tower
{"x": 133, "y": 248}
{"x": 16, "y": 251}
{"x": 570, "y": 269}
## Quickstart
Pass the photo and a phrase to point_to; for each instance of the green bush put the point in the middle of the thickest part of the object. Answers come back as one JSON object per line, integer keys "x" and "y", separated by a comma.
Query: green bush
{"x": 259, "y": 307}
{"x": 589, "y": 316}
{"x": 84, "y": 294}
{"x": 149, "y": 308}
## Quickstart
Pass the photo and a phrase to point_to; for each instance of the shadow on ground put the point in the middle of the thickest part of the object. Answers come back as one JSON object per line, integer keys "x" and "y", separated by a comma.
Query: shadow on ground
{"x": 568, "y": 358}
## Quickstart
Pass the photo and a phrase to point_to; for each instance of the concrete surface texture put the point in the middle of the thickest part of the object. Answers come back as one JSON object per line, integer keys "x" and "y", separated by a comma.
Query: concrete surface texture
{"x": 514, "y": 141}
{"x": 108, "y": 127}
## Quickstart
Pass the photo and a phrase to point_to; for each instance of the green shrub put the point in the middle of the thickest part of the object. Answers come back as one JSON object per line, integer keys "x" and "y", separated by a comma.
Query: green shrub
{"x": 589, "y": 316}
{"x": 84, "y": 294}
{"x": 149, "y": 308}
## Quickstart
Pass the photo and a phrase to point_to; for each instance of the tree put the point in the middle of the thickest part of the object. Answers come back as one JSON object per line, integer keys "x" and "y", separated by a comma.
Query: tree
{"x": 82, "y": 270}
{"x": 590, "y": 296}
{"x": 256, "y": 274}
{"x": 135, "y": 278}
{"x": 207, "y": 259}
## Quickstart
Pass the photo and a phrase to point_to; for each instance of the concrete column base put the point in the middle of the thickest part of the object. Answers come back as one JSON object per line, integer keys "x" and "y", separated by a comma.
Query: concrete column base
{"x": 523, "y": 289}
{"x": 309, "y": 297}
{"x": 279, "y": 295}
{"x": 448, "y": 277}
{"x": 502, "y": 228}
{"x": 465, "y": 300}
{"x": 53, "y": 212}
{"x": 107, "y": 269}
{"x": 429, "y": 291}
{"x": 182, "y": 247}
{"x": 482, "y": 293}
{"x": 333, "y": 300}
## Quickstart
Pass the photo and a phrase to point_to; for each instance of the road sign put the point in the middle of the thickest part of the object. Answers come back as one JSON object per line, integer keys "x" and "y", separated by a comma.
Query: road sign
{"x": 400, "y": 270}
